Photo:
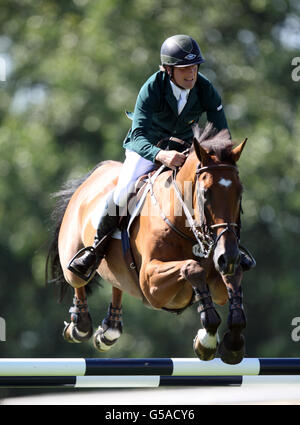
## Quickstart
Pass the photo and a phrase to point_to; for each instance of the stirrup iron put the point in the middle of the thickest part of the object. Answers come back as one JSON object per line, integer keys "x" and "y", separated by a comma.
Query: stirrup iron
{"x": 79, "y": 254}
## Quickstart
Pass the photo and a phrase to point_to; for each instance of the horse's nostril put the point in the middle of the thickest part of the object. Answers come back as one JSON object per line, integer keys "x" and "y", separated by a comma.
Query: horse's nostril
{"x": 222, "y": 262}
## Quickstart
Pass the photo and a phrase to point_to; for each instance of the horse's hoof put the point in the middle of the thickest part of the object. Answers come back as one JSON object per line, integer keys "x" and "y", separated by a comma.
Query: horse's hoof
{"x": 204, "y": 353}
{"x": 73, "y": 335}
{"x": 229, "y": 354}
{"x": 105, "y": 339}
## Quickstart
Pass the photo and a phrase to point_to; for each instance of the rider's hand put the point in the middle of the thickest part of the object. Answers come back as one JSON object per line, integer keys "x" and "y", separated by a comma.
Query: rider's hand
{"x": 171, "y": 159}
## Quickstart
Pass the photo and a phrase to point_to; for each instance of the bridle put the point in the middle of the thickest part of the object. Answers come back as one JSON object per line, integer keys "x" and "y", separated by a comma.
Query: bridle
{"x": 204, "y": 234}
{"x": 228, "y": 227}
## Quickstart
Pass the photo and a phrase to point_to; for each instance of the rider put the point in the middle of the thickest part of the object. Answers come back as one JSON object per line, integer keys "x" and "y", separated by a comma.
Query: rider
{"x": 168, "y": 105}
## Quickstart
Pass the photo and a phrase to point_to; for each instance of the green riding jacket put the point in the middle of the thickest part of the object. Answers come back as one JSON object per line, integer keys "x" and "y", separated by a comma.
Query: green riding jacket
{"x": 156, "y": 116}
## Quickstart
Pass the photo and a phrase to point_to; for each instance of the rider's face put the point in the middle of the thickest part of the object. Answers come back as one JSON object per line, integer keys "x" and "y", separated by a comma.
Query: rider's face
{"x": 186, "y": 76}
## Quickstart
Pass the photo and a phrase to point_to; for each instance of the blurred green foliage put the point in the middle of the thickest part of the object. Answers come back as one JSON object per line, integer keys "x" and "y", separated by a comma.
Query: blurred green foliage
{"x": 73, "y": 68}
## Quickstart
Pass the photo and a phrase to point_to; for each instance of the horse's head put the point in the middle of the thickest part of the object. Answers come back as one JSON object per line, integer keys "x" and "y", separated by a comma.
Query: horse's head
{"x": 218, "y": 195}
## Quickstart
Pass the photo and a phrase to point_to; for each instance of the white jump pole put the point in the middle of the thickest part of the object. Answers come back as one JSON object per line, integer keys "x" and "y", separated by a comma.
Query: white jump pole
{"x": 155, "y": 367}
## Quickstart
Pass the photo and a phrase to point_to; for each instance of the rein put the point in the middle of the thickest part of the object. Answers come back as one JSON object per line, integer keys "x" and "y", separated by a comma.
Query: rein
{"x": 206, "y": 242}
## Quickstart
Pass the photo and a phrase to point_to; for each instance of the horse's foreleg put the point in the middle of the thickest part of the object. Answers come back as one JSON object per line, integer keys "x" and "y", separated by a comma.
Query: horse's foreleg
{"x": 206, "y": 341}
{"x": 80, "y": 328}
{"x": 112, "y": 326}
{"x": 232, "y": 348}
{"x": 164, "y": 280}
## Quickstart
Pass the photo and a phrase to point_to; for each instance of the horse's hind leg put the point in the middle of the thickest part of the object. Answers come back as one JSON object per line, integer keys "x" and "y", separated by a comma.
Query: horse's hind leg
{"x": 112, "y": 326}
{"x": 80, "y": 328}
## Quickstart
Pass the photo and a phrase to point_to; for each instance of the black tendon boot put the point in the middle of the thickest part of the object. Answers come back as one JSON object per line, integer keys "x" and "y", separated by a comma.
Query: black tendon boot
{"x": 87, "y": 260}
{"x": 247, "y": 260}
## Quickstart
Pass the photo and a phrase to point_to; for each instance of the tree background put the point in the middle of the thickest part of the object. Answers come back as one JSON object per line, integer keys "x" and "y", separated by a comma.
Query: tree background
{"x": 72, "y": 69}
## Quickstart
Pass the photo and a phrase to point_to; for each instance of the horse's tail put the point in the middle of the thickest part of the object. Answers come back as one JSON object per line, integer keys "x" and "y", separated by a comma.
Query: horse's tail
{"x": 53, "y": 270}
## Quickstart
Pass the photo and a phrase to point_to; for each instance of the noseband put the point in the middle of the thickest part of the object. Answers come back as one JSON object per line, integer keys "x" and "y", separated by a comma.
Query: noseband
{"x": 228, "y": 228}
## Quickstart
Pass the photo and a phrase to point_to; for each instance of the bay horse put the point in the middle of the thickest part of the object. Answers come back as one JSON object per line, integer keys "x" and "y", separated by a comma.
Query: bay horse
{"x": 180, "y": 258}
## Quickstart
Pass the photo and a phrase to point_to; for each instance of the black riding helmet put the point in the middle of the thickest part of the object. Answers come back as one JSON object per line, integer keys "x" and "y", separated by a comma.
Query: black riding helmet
{"x": 180, "y": 50}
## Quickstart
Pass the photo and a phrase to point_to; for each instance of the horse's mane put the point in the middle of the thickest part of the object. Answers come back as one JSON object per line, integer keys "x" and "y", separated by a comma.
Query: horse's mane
{"x": 216, "y": 143}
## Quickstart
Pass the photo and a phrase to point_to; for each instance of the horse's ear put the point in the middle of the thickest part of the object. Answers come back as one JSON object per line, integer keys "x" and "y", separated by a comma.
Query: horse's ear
{"x": 236, "y": 152}
{"x": 201, "y": 153}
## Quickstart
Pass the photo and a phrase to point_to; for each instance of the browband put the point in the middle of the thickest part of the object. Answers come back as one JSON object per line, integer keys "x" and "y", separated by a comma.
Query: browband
{"x": 208, "y": 167}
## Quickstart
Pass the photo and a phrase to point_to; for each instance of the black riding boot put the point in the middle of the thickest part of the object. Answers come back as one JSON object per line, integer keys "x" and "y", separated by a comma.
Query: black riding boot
{"x": 85, "y": 265}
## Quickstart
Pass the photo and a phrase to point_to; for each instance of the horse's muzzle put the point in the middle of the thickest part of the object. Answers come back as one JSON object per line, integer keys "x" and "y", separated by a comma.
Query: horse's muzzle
{"x": 226, "y": 261}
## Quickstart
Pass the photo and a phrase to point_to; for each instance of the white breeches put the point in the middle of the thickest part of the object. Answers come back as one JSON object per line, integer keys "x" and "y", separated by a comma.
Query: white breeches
{"x": 134, "y": 166}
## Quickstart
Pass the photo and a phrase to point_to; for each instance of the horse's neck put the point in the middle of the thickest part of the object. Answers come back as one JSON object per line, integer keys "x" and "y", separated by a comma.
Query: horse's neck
{"x": 185, "y": 182}
{"x": 186, "y": 176}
